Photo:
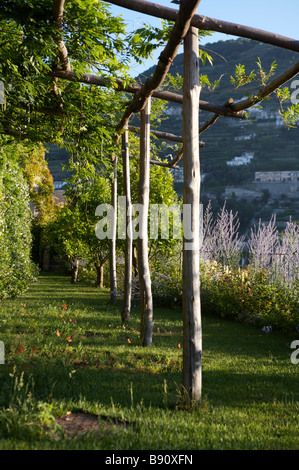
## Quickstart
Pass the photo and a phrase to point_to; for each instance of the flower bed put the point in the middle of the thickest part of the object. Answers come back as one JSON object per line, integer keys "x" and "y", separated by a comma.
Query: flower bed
{"x": 240, "y": 294}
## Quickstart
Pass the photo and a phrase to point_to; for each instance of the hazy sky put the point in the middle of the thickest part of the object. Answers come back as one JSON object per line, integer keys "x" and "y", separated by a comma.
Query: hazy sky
{"x": 271, "y": 15}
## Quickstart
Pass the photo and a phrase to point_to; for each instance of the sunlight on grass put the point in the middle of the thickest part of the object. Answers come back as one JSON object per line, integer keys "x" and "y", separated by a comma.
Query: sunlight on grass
{"x": 67, "y": 351}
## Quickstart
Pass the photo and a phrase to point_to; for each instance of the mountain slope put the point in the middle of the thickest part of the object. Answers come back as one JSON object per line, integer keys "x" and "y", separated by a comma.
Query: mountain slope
{"x": 263, "y": 135}
{"x": 275, "y": 147}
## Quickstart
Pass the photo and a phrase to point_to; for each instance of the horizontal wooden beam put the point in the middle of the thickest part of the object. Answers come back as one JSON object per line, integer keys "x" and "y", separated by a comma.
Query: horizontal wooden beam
{"x": 163, "y": 135}
{"x": 91, "y": 79}
{"x": 210, "y": 24}
{"x": 165, "y": 165}
{"x": 268, "y": 89}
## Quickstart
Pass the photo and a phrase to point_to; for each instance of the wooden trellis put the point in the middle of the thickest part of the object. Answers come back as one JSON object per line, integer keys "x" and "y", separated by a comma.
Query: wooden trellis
{"x": 185, "y": 29}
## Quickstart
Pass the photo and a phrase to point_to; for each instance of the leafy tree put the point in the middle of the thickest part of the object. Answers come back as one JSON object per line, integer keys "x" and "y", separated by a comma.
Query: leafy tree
{"x": 66, "y": 236}
{"x": 72, "y": 234}
{"x": 84, "y": 197}
{"x": 42, "y": 200}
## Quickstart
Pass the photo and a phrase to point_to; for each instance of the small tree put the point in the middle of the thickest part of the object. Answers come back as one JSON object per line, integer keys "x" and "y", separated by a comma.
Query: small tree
{"x": 72, "y": 234}
{"x": 67, "y": 236}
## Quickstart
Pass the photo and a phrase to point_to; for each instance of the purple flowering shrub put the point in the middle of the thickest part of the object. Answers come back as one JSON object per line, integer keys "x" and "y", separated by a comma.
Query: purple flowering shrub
{"x": 264, "y": 292}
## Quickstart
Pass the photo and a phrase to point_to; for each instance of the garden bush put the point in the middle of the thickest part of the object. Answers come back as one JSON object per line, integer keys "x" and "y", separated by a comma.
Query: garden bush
{"x": 251, "y": 297}
{"x": 16, "y": 266}
{"x": 240, "y": 294}
{"x": 264, "y": 292}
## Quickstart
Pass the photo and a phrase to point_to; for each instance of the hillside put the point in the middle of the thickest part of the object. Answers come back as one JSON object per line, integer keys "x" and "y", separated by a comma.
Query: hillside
{"x": 273, "y": 146}
{"x": 263, "y": 135}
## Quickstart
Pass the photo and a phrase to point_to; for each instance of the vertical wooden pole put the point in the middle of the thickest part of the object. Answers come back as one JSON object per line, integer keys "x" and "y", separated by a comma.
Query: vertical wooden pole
{"x": 146, "y": 302}
{"x": 192, "y": 345}
{"x": 113, "y": 277}
{"x": 126, "y": 307}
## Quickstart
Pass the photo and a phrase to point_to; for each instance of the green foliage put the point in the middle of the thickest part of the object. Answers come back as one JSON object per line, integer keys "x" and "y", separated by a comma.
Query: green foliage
{"x": 148, "y": 38}
{"x": 16, "y": 267}
{"x": 264, "y": 76}
{"x": 42, "y": 108}
{"x": 241, "y": 78}
{"x": 242, "y": 295}
{"x": 39, "y": 180}
{"x": 66, "y": 234}
{"x": 249, "y": 297}
{"x": 291, "y": 115}
{"x": 72, "y": 233}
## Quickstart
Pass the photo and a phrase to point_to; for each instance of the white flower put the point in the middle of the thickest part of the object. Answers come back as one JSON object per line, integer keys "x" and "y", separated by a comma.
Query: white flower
{"x": 267, "y": 329}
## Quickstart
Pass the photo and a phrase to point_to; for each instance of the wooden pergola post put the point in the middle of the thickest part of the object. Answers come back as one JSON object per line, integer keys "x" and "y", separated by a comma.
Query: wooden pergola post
{"x": 113, "y": 277}
{"x": 146, "y": 301}
{"x": 192, "y": 343}
{"x": 126, "y": 306}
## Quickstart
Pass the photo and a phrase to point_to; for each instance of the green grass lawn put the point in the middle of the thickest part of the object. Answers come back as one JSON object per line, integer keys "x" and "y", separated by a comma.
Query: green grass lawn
{"x": 67, "y": 352}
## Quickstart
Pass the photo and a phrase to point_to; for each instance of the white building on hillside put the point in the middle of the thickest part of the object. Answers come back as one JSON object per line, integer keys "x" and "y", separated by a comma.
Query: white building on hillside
{"x": 59, "y": 184}
{"x": 245, "y": 159}
{"x": 276, "y": 176}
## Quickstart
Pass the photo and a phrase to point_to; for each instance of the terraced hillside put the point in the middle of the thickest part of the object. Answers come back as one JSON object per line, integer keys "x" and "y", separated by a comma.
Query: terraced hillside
{"x": 272, "y": 145}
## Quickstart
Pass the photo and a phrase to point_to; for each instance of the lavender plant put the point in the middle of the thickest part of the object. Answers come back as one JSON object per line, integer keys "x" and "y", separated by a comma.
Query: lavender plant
{"x": 221, "y": 239}
{"x": 286, "y": 260}
{"x": 262, "y": 244}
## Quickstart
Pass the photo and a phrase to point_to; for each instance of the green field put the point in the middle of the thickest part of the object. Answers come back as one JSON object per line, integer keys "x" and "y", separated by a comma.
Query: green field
{"x": 68, "y": 357}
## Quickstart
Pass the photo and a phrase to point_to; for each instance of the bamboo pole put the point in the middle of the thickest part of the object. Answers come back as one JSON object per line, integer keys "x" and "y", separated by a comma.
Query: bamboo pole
{"x": 146, "y": 301}
{"x": 192, "y": 346}
{"x": 126, "y": 306}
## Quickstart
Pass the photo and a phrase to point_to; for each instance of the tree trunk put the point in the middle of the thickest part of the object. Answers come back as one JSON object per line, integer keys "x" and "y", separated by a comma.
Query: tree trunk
{"x": 75, "y": 270}
{"x": 192, "y": 346}
{"x": 113, "y": 278}
{"x": 100, "y": 275}
{"x": 135, "y": 262}
{"x": 126, "y": 307}
{"x": 146, "y": 302}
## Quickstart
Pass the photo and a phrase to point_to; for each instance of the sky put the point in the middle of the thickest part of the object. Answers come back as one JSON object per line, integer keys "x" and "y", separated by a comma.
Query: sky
{"x": 270, "y": 15}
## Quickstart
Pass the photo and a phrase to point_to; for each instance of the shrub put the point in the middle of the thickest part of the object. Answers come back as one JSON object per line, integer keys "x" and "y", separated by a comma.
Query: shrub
{"x": 166, "y": 277}
{"x": 250, "y": 296}
{"x": 240, "y": 294}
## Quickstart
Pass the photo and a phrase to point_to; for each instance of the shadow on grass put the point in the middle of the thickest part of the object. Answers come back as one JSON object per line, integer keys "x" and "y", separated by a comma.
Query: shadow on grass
{"x": 72, "y": 385}
{"x": 241, "y": 365}
{"x": 58, "y": 288}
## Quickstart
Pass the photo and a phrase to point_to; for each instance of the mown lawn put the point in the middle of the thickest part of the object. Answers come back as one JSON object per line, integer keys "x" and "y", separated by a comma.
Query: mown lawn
{"x": 68, "y": 355}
